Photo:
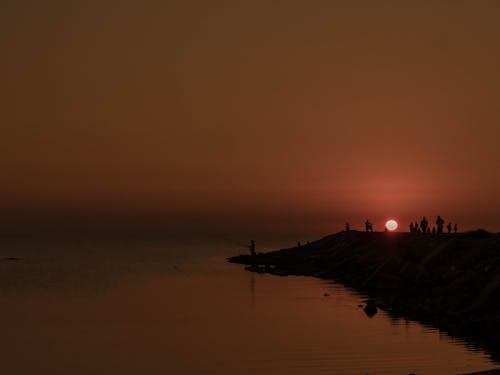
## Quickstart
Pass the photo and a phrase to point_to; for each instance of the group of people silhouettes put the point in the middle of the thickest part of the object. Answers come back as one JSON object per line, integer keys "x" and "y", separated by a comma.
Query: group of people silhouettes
{"x": 438, "y": 229}
{"x": 415, "y": 227}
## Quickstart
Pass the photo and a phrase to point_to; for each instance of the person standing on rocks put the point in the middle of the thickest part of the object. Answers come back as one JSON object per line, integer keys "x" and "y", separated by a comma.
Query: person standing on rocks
{"x": 455, "y": 228}
{"x": 423, "y": 224}
{"x": 368, "y": 226}
{"x": 252, "y": 247}
{"x": 439, "y": 223}
{"x": 448, "y": 227}
{"x": 347, "y": 228}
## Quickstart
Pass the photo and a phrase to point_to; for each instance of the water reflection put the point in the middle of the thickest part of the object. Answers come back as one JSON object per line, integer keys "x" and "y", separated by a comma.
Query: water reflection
{"x": 252, "y": 288}
{"x": 472, "y": 344}
{"x": 152, "y": 308}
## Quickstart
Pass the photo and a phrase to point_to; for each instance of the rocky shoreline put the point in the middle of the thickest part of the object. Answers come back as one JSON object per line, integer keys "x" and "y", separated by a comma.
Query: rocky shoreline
{"x": 450, "y": 281}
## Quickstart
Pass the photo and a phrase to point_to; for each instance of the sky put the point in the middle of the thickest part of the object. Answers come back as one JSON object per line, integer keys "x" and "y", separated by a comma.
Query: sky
{"x": 248, "y": 116}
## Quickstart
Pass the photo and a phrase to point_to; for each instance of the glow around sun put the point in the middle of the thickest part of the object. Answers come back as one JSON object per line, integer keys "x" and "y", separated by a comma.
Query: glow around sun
{"x": 391, "y": 225}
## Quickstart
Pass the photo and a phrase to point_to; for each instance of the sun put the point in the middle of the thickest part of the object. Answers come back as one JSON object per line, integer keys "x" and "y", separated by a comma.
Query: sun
{"x": 391, "y": 225}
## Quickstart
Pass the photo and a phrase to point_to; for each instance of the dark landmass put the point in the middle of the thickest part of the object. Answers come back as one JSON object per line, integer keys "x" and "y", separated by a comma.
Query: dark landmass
{"x": 450, "y": 281}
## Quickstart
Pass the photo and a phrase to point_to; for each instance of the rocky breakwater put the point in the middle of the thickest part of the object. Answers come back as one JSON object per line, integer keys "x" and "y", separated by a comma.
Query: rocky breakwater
{"x": 451, "y": 281}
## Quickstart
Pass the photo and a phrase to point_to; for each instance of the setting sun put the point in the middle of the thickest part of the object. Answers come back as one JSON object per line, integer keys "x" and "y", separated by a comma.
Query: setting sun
{"x": 391, "y": 225}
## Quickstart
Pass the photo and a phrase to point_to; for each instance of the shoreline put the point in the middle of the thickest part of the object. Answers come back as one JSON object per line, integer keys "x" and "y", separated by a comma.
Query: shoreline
{"x": 448, "y": 281}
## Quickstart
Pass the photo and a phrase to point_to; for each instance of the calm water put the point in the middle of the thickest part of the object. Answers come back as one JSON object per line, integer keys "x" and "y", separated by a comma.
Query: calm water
{"x": 156, "y": 307}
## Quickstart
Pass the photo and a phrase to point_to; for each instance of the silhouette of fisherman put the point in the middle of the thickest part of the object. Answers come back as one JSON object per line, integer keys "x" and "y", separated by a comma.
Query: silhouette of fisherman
{"x": 252, "y": 247}
{"x": 448, "y": 227}
{"x": 347, "y": 228}
{"x": 368, "y": 226}
{"x": 439, "y": 223}
{"x": 423, "y": 224}
{"x": 455, "y": 228}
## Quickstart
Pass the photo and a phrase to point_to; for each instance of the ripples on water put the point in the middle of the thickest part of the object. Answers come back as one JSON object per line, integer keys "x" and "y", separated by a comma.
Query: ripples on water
{"x": 156, "y": 308}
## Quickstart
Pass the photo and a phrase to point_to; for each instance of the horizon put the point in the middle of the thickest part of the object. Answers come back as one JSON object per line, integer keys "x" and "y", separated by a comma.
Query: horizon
{"x": 159, "y": 225}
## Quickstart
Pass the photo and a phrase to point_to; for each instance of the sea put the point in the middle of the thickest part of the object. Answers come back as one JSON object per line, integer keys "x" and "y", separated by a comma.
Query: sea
{"x": 176, "y": 306}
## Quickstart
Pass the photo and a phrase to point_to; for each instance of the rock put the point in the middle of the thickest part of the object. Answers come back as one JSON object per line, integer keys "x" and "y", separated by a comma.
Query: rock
{"x": 370, "y": 308}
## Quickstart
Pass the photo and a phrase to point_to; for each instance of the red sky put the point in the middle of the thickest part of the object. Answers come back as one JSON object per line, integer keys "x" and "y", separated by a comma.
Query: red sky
{"x": 234, "y": 116}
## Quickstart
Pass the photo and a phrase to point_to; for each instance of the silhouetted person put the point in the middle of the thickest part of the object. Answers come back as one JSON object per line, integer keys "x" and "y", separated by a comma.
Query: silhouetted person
{"x": 417, "y": 229}
{"x": 298, "y": 244}
{"x": 448, "y": 227}
{"x": 368, "y": 226}
{"x": 439, "y": 223}
{"x": 455, "y": 228}
{"x": 347, "y": 228}
{"x": 252, "y": 247}
{"x": 423, "y": 224}
{"x": 412, "y": 227}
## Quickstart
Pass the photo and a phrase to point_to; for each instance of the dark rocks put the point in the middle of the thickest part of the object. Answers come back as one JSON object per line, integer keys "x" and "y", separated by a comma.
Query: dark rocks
{"x": 370, "y": 308}
{"x": 450, "y": 281}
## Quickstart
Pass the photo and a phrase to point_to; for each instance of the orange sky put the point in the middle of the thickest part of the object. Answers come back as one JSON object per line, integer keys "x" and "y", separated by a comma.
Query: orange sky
{"x": 250, "y": 115}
